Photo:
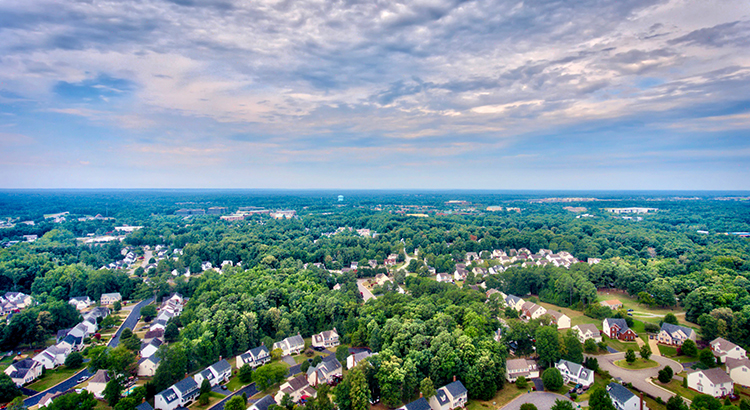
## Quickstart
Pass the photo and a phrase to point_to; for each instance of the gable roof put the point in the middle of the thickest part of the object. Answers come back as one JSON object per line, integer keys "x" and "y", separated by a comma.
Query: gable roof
{"x": 575, "y": 368}
{"x": 101, "y": 376}
{"x": 619, "y": 392}
{"x": 517, "y": 364}
{"x": 456, "y": 388}
{"x": 169, "y": 395}
{"x": 265, "y": 402}
{"x": 221, "y": 366}
{"x": 733, "y": 363}
{"x": 419, "y": 404}
{"x": 716, "y": 375}
{"x": 673, "y": 329}
{"x": 722, "y": 344}
{"x": 258, "y": 350}
{"x": 588, "y": 327}
{"x": 297, "y": 383}
{"x": 185, "y": 385}
{"x": 151, "y": 334}
{"x": 144, "y": 406}
{"x": 295, "y": 340}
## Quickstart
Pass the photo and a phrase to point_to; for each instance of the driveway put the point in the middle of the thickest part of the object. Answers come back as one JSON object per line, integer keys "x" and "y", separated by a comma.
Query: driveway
{"x": 288, "y": 360}
{"x": 654, "y": 347}
{"x": 250, "y": 390}
{"x": 542, "y": 400}
{"x": 366, "y": 294}
{"x": 538, "y": 384}
{"x": 640, "y": 378}
{"x": 71, "y": 382}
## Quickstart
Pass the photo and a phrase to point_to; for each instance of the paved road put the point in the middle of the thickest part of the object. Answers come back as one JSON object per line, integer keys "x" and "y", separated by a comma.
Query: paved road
{"x": 70, "y": 383}
{"x": 542, "y": 400}
{"x": 250, "y": 390}
{"x": 366, "y": 294}
{"x": 639, "y": 378}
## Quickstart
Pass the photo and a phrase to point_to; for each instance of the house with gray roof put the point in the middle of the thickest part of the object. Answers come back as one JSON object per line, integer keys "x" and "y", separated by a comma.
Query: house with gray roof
{"x": 418, "y": 404}
{"x": 618, "y": 329}
{"x": 622, "y": 398}
{"x": 24, "y": 371}
{"x": 575, "y": 373}
{"x": 147, "y": 366}
{"x": 325, "y": 371}
{"x": 110, "y": 298}
{"x": 675, "y": 335}
{"x": 514, "y": 302}
{"x": 254, "y": 357}
{"x": 714, "y": 382}
{"x": 144, "y": 406}
{"x": 723, "y": 349}
{"x": 450, "y": 396}
{"x": 515, "y": 368}
{"x": 291, "y": 345}
{"x": 262, "y": 404}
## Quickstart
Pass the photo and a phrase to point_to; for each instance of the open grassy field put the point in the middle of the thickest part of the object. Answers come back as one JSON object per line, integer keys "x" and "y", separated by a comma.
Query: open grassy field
{"x": 638, "y": 364}
{"x": 676, "y": 386}
{"x": 576, "y": 316}
{"x": 51, "y": 378}
{"x": 620, "y": 345}
{"x": 502, "y": 397}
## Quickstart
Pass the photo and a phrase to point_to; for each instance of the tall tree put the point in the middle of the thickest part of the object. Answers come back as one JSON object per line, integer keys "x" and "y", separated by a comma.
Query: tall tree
{"x": 547, "y": 346}
{"x": 573, "y": 348}
{"x": 600, "y": 400}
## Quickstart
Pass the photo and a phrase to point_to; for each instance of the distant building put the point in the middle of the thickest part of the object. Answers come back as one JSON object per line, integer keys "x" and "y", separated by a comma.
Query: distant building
{"x": 110, "y": 298}
{"x": 613, "y": 304}
{"x": 217, "y": 210}
{"x": 190, "y": 212}
{"x": 632, "y": 210}
{"x": 341, "y": 198}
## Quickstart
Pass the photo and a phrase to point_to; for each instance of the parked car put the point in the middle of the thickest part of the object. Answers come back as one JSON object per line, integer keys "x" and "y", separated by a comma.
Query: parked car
{"x": 630, "y": 310}
{"x": 82, "y": 379}
{"x": 223, "y": 387}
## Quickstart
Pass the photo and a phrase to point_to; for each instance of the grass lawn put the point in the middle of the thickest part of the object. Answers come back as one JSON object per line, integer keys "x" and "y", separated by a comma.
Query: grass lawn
{"x": 301, "y": 357}
{"x": 213, "y": 398}
{"x": 502, "y": 397}
{"x": 102, "y": 405}
{"x": 638, "y": 364}
{"x": 51, "y": 378}
{"x": 235, "y": 384}
{"x": 621, "y": 346}
{"x": 676, "y": 386}
{"x": 667, "y": 351}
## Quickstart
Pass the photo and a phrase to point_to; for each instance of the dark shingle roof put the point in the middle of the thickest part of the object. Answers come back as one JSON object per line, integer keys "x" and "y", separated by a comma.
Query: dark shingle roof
{"x": 265, "y": 402}
{"x": 221, "y": 366}
{"x": 144, "y": 406}
{"x": 672, "y": 329}
{"x": 619, "y": 392}
{"x": 169, "y": 395}
{"x": 456, "y": 388}
{"x": 185, "y": 385}
{"x": 257, "y": 351}
{"x": 419, "y": 404}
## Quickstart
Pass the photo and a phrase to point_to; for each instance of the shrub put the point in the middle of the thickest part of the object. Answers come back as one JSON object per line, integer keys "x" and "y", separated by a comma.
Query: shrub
{"x": 528, "y": 406}
{"x": 521, "y": 382}
{"x": 589, "y": 346}
{"x": 630, "y": 356}
{"x": 203, "y": 399}
{"x": 651, "y": 327}
{"x": 246, "y": 373}
{"x": 552, "y": 379}
{"x": 665, "y": 374}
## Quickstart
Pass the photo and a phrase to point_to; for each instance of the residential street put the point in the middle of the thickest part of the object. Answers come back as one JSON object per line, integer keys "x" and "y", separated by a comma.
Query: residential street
{"x": 639, "y": 377}
{"x": 71, "y": 382}
{"x": 249, "y": 389}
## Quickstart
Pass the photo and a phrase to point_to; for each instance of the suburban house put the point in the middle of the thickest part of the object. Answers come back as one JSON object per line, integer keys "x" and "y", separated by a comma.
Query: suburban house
{"x": 418, "y": 404}
{"x": 296, "y": 388}
{"x": 450, "y": 396}
{"x": 326, "y": 339}
{"x": 355, "y": 358}
{"x": 460, "y": 274}
{"x": 723, "y": 349}
{"x": 514, "y": 302}
{"x": 325, "y": 371}
{"x": 739, "y": 370}
{"x": 81, "y": 302}
{"x": 560, "y": 319}
{"x": 618, "y": 329}
{"x": 218, "y": 372}
{"x": 443, "y": 277}
{"x": 153, "y": 334}
{"x": 159, "y": 324}
{"x": 97, "y": 383}
{"x": 263, "y": 404}
{"x": 148, "y": 349}
{"x": 575, "y": 373}
{"x": 588, "y": 331}
{"x": 98, "y": 312}
{"x": 110, "y": 298}
{"x": 516, "y": 368}
{"x": 52, "y": 357}
{"x": 144, "y": 406}
{"x": 254, "y": 357}
{"x": 24, "y": 371}
{"x": 291, "y": 345}
{"x": 622, "y": 398}
{"x": 531, "y": 310}
{"x": 613, "y": 304}
{"x": 675, "y": 335}
{"x": 18, "y": 299}
{"x": 48, "y": 398}
{"x": 714, "y": 382}
{"x": 180, "y": 394}
{"x": 147, "y": 366}
{"x": 71, "y": 343}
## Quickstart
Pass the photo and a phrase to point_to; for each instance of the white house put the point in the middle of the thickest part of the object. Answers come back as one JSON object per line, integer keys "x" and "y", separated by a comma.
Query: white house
{"x": 97, "y": 383}
{"x": 291, "y": 345}
{"x": 588, "y": 331}
{"x": 575, "y": 373}
{"x": 714, "y": 382}
{"x": 325, "y": 371}
{"x": 147, "y": 366}
{"x": 110, "y": 298}
{"x": 450, "y": 396}
{"x": 355, "y": 358}
{"x": 739, "y": 370}
{"x": 622, "y": 398}
{"x": 52, "y": 357}
{"x": 460, "y": 274}
{"x": 675, "y": 335}
{"x": 19, "y": 299}
{"x": 443, "y": 277}
{"x": 532, "y": 310}
{"x": 254, "y": 357}
{"x": 24, "y": 371}
{"x": 723, "y": 349}
{"x": 325, "y": 339}
{"x": 181, "y": 393}
{"x": 81, "y": 302}
{"x": 514, "y": 302}
{"x": 71, "y": 343}
{"x": 516, "y": 368}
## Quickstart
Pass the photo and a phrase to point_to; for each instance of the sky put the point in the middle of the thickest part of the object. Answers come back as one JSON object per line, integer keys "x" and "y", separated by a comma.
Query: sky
{"x": 371, "y": 94}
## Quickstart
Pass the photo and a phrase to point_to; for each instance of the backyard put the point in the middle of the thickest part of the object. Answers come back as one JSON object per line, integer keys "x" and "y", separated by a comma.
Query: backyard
{"x": 51, "y": 378}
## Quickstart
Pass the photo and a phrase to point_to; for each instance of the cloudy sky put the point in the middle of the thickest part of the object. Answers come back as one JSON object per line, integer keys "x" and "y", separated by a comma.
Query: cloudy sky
{"x": 605, "y": 94}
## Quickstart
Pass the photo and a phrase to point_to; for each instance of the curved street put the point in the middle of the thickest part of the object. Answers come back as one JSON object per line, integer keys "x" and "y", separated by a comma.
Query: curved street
{"x": 366, "y": 294}
{"x": 71, "y": 382}
{"x": 640, "y": 377}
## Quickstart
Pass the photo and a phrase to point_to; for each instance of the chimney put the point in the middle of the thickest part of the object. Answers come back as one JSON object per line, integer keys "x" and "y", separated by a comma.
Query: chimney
{"x": 262, "y": 343}
{"x": 144, "y": 400}
{"x": 420, "y": 395}
{"x": 186, "y": 375}
{"x": 454, "y": 377}
{"x": 220, "y": 357}
{"x": 641, "y": 400}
